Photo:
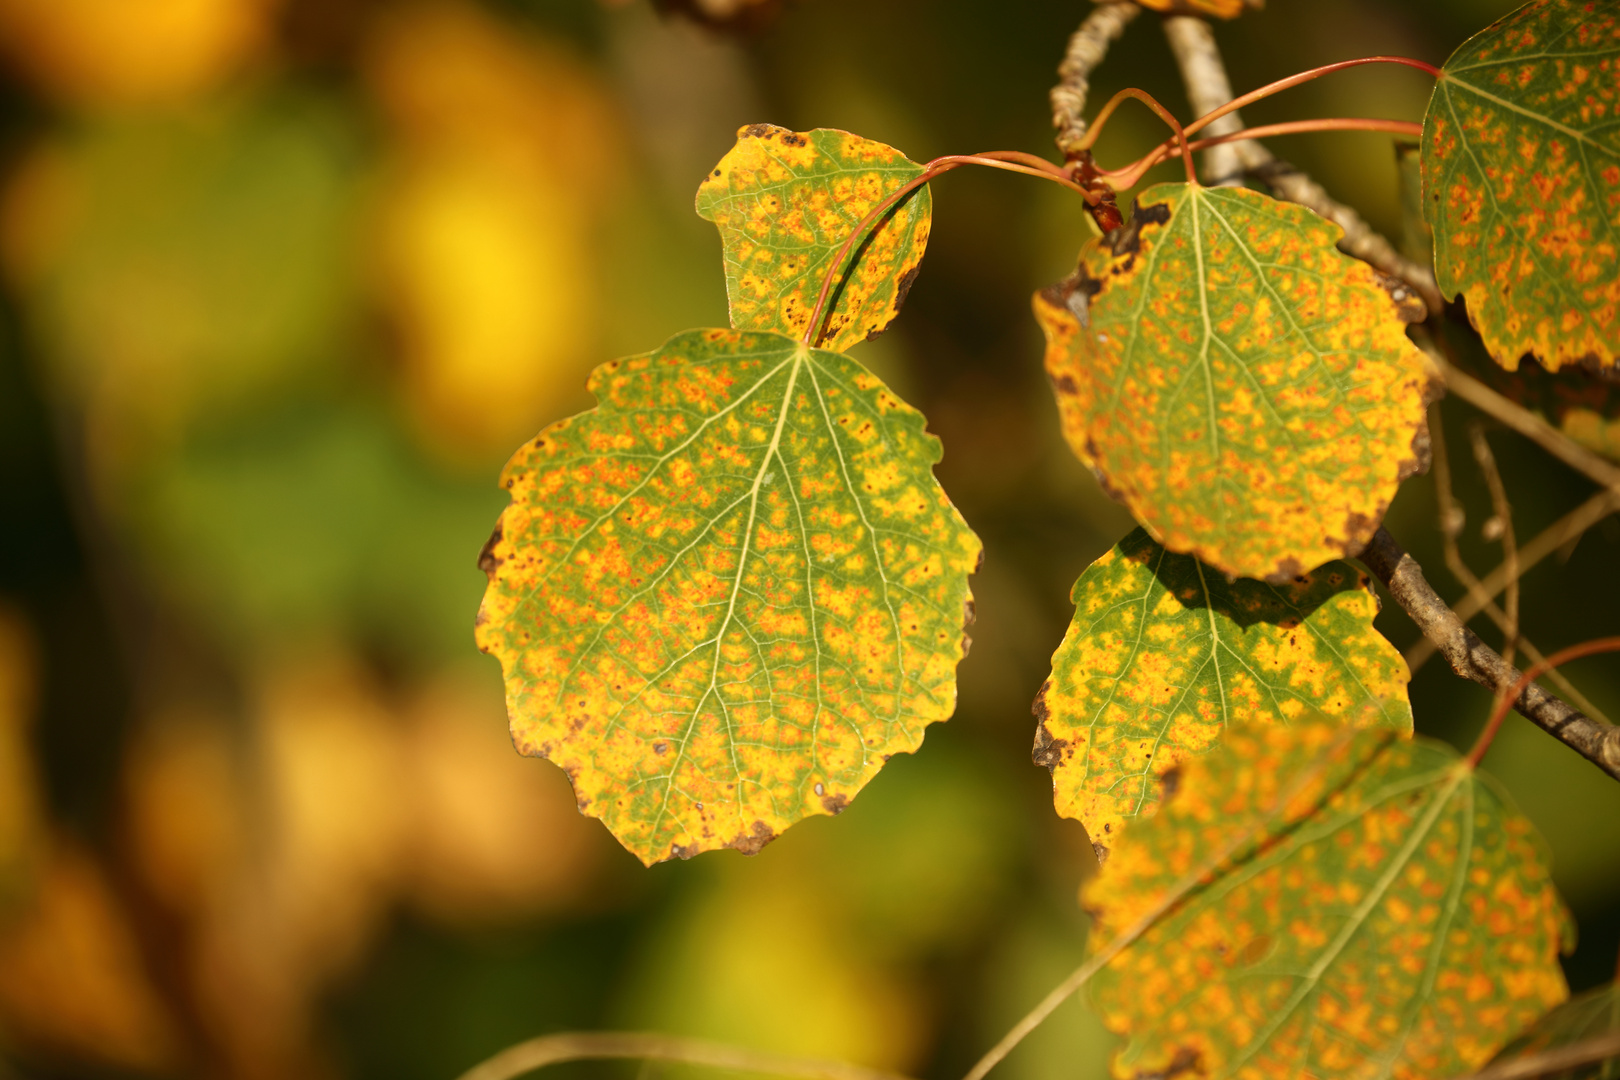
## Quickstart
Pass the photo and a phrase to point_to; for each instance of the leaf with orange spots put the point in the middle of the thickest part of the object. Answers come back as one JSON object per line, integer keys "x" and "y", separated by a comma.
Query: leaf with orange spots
{"x": 1220, "y": 9}
{"x": 1585, "y": 1016}
{"x": 785, "y": 202}
{"x": 1521, "y": 182}
{"x": 727, "y": 594}
{"x": 1383, "y": 912}
{"x": 1164, "y": 653}
{"x": 1245, "y": 389}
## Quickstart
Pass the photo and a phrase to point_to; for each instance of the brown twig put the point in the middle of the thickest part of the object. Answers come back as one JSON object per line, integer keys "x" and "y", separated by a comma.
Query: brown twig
{"x": 1500, "y": 710}
{"x": 1585, "y": 1052}
{"x": 600, "y": 1045}
{"x": 1204, "y": 74}
{"x": 1473, "y": 659}
{"x": 1555, "y": 536}
{"x": 1501, "y": 523}
{"x": 1087, "y": 47}
{"x": 1528, "y": 424}
{"x": 1451, "y": 525}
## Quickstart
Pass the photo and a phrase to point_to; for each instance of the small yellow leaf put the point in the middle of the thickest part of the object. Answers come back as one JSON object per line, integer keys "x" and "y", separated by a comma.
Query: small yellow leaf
{"x": 785, "y": 202}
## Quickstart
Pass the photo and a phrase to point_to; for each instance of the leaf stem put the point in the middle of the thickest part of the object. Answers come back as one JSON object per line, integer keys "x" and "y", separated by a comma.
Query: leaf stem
{"x": 1132, "y": 93}
{"x": 1505, "y": 701}
{"x": 1303, "y": 77}
{"x": 599, "y": 1045}
{"x": 1008, "y": 160}
{"x": 1129, "y": 175}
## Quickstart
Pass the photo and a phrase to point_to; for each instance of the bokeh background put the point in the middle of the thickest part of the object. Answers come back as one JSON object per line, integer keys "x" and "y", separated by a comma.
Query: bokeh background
{"x": 284, "y": 282}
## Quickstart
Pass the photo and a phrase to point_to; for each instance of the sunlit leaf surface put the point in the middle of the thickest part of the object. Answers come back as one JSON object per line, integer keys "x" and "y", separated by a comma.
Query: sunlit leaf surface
{"x": 1521, "y": 178}
{"x": 1164, "y": 653}
{"x": 784, "y": 203}
{"x": 1386, "y": 914}
{"x": 1245, "y": 389}
{"x": 1594, "y": 1013}
{"x": 727, "y": 594}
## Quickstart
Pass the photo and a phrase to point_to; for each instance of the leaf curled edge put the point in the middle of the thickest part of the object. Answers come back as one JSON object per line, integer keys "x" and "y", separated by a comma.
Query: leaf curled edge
{"x": 726, "y": 595}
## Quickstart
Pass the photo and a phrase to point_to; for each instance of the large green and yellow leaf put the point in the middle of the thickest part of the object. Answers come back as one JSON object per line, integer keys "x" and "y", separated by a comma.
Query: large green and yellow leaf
{"x": 1581, "y": 1018}
{"x": 1383, "y": 913}
{"x": 1521, "y": 178}
{"x": 1245, "y": 389}
{"x": 1164, "y": 653}
{"x": 725, "y": 596}
{"x": 785, "y": 202}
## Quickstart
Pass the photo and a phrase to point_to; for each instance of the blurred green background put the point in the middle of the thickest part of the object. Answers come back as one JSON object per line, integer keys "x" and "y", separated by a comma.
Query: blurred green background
{"x": 284, "y": 283}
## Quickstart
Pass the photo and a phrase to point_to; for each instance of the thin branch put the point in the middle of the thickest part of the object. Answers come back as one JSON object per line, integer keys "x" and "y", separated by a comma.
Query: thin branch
{"x": 1087, "y": 47}
{"x": 1555, "y": 536}
{"x": 1500, "y": 522}
{"x": 1586, "y": 1052}
{"x": 1473, "y": 659}
{"x": 1451, "y": 525}
{"x": 1204, "y": 74}
{"x": 599, "y": 1045}
{"x": 1500, "y": 711}
{"x": 1528, "y": 424}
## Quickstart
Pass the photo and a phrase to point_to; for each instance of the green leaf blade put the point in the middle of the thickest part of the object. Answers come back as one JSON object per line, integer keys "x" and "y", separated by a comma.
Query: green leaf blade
{"x": 1389, "y": 914}
{"x": 785, "y": 202}
{"x": 1244, "y": 388}
{"x": 1521, "y": 178}
{"x": 1164, "y": 653}
{"x": 726, "y": 595}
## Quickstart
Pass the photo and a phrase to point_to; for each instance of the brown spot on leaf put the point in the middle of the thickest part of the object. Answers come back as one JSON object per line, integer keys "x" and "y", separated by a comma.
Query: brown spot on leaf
{"x": 834, "y": 804}
{"x": 1409, "y": 306}
{"x": 752, "y": 842}
{"x": 1186, "y": 1060}
{"x": 1128, "y": 240}
{"x": 1065, "y": 384}
{"x": 758, "y": 131}
{"x": 487, "y": 561}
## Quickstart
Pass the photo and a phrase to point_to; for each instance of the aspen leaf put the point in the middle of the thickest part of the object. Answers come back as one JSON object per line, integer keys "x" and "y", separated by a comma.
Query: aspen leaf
{"x": 785, "y": 202}
{"x": 724, "y": 597}
{"x": 1244, "y": 388}
{"x": 1521, "y": 178}
{"x": 1164, "y": 653}
{"x": 1385, "y": 913}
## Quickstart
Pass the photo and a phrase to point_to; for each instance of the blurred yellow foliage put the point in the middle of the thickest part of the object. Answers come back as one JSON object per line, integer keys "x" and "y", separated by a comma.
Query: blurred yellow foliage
{"x": 71, "y": 975}
{"x": 175, "y": 267}
{"x": 283, "y": 846}
{"x": 485, "y": 243}
{"x": 19, "y": 797}
{"x": 109, "y": 53}
{"x": 764, "y": 960}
